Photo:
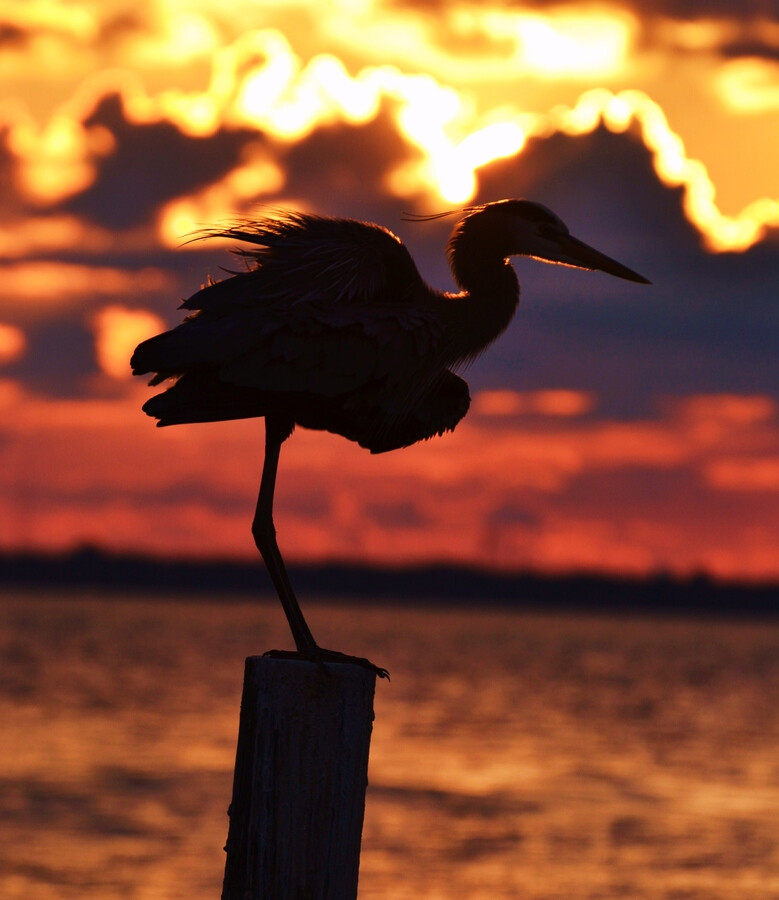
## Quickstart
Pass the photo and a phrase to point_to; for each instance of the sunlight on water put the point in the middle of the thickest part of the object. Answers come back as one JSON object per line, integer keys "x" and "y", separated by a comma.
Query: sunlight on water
{"x": 514, "y": 755}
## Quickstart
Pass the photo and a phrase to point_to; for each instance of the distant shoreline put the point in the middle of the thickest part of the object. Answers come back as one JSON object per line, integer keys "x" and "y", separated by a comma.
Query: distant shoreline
{"x": 89, "y": 567}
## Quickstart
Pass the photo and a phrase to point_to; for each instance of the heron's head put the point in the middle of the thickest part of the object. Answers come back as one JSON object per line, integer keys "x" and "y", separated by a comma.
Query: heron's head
{"x": 531, "y": 229}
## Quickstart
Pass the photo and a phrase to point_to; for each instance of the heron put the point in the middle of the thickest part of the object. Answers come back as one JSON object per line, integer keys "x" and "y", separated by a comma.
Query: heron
{"x": 330, "y": 326}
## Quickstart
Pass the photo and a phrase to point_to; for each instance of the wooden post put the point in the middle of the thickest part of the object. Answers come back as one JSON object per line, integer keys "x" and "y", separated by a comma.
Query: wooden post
{"x": 301, "y": 772}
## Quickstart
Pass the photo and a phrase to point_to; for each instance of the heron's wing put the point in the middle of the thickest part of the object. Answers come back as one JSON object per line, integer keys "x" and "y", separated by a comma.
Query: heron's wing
{"x": 328, "y": 305}
{"x": 312, "y": 262}
{"x": 327, "y": 354}
{"x": 321, "y": 350}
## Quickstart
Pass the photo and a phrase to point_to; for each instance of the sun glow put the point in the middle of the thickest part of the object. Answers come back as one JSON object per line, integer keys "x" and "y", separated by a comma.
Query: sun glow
{"x": 565, "y": 43}
{"x": 468, "y": 86}
{"x": 749, "y": 85}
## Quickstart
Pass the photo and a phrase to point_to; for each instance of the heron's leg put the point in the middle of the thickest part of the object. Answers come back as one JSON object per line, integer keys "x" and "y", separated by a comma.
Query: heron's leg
{"x": 277, "y": 430}
{"x": 264, "y": 533}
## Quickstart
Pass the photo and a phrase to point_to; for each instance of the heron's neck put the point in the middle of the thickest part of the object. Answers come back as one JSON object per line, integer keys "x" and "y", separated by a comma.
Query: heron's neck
{"x": 490, "y": 289}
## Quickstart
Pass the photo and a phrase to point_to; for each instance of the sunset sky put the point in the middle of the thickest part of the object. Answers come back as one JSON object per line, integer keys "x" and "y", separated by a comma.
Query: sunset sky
{"x": 615, "y": 427}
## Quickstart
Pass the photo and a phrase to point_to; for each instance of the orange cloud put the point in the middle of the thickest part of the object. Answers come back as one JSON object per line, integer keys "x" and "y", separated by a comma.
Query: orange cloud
{"x": 750, "y": 85}
{"x": 761, "y": 474}
{"x": 578, "y": 67}
{"x": 45, "y": 234}
{"x": 12, "y": 343}
{"x": 118, "y": 331}
{"x": 549, "y": 403}
{"x": 255, "y": 176}
{"x": 541, "y": 491}
{"x": 33, "y": 289}
{"x": 727, "y": 409}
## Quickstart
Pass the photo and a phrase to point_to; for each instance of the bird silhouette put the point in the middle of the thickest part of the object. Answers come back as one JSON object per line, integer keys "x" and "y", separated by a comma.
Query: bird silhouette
{"x": 331, "y": 327}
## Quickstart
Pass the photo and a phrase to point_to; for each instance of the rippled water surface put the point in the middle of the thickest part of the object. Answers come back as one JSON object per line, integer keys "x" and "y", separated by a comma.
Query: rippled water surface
{"x": 513, "y": 755}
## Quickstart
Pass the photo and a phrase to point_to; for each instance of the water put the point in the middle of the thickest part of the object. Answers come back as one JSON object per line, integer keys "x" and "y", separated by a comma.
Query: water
{"x": 514, "y": 755}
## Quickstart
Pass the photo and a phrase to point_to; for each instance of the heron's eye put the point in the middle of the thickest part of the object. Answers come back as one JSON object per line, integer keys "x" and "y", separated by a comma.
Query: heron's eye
{"x": 548, "y": 230}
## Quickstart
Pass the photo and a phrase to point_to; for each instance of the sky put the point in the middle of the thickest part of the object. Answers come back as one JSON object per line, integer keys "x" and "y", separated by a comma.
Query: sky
{"x": 615, "y": 427}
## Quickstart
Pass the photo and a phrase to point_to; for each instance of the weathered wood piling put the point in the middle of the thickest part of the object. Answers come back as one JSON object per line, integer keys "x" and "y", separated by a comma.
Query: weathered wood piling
{"x": 301, "y": 773}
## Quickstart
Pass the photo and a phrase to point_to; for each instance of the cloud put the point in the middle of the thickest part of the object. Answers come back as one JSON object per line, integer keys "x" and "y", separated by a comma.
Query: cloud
{"x": 613, "y": 424}
{"x": 12, "y": 343}
{"x": 504, "y": 403}
{"x": 144, "y": 169}
{"x": 709, "y": 10}
{"x": 195, "y": 84}
{"x": 339, "y": 167}
{"x": 118, "y": 331}
{"x": 51, "y": 304}
{"x": 59, "y": 358}
{"x": 32, "y": 290}
{"x": 707, "y": 323}
{"x": 758, "y": 474}
{"x": 691, "y": 489}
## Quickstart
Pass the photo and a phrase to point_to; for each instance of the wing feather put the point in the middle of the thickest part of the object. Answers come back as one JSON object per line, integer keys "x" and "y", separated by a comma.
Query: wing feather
{"x": 298, "y": 260}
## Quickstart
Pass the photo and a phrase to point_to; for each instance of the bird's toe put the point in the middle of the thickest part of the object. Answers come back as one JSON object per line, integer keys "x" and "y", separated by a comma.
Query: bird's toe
{"x": 322, "y": 656}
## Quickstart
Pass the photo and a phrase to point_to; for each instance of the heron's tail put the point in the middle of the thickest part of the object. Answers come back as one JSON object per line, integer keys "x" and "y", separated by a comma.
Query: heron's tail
{"x": 201, "y": 397}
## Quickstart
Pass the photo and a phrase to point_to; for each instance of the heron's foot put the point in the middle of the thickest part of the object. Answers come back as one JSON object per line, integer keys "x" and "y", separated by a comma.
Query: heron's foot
{"x": 320, "y": 655}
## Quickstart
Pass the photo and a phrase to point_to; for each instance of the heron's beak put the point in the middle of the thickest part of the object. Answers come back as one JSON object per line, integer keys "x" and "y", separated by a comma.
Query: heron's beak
{"x": 574, "y": 252}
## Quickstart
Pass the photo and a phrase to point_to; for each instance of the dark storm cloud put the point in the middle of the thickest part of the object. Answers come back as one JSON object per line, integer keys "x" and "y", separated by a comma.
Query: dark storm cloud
{"x": 342, "y": 169}
{"x": 120, "y": 27}
{"x": 639, "y": 485}
{"x": 10, "y": 200}
{"x": 709, "y": 323}
{"x": 649, "y": 489}
{"x": 59, "y": 359}
{"x": 740, "y": 10}
{"x": 12, "y": 37}
{"x": 396, "y": 515}
{"x": 151, "y": 165}
{"x": 514, "y": 512}
{"x": 685, "y": 10}
{"x": 212, "y": 497}
{"x": 654, "y": 14}
{"x": 750, "y": 48}
{"x": 600, "y": 182}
